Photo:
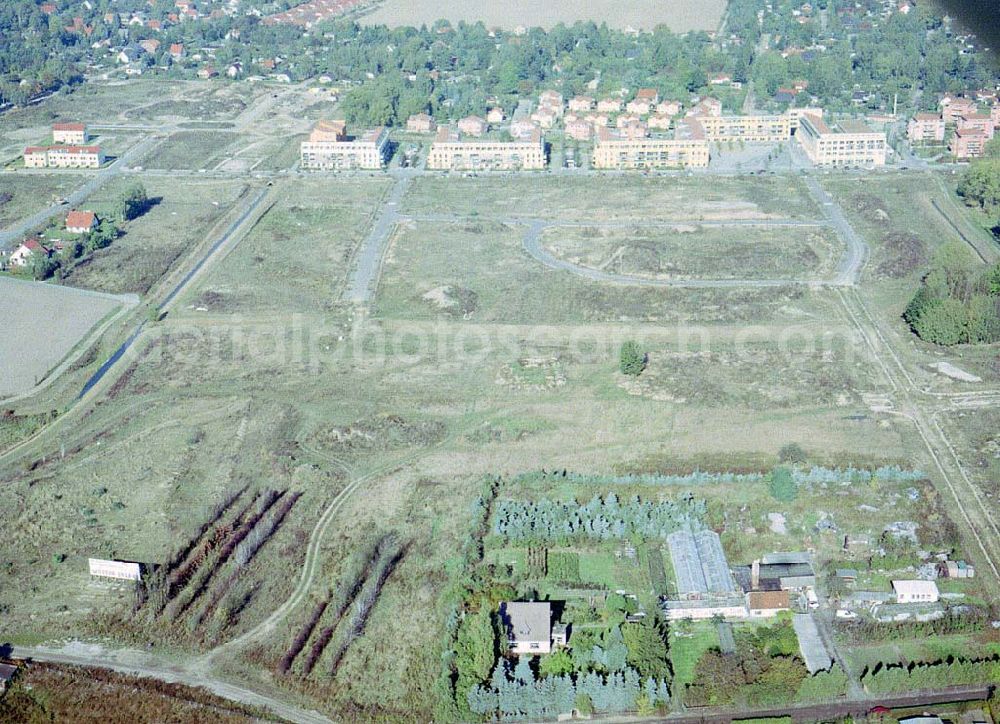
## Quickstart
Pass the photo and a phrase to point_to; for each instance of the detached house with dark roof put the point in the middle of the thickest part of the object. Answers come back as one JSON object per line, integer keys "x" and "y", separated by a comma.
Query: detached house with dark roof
{"x": 529, "y": 627}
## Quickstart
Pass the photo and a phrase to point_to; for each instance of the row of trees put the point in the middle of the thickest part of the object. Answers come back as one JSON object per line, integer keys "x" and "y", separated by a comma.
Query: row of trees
{"x": 520, "y": 694}
{"x": 966, "y": 620}
{"x": 932, "y": 675}
{"x": 598, "y": 519}
{"x": 697, "y": 477}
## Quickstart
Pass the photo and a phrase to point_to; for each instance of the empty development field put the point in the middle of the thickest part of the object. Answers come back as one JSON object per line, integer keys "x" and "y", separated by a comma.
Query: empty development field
{"x": 249, "y": 470}
{"x": 693, "y": 251}
{"x": 678, "y": 15}
{"x": 30, "y": 348}
{"x": 298, "y": 254}
{"x": 191, "y": 150}
{"x": 130, "y": 101}
{"x": 179, "y": 218}
{"x": 479, "y": 271}
{"x": 613, "y": 198}
{"x": 23, "y": 195}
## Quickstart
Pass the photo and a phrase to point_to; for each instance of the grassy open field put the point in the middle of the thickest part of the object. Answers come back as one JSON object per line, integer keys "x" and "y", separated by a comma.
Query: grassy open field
{"x": 191, "y": 150}
{"x": 691, "y": 251}
{"x": 297, "y": 256}
{"x": 978, "y": 433}
{"x": 905, "y": 219}
{"x": 29, "y": 348}
{"x": 447, "y": 382}
{"x": 180, "y": 218}
{"x": 897, "y": 217}
{"x": 478, "y": 271}
{"x": 673, "y": 198}
{"x": 22, "y": 195}
{"x": 678, "y": 15}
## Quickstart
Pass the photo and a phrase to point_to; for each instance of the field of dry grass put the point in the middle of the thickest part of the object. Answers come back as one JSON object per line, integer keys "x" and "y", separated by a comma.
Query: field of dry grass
{"x": 474, "y": 361}
{"x": 24, "y": 195}
{"x": 692, "y": 251}
{"x": 478, "y": 272}
{"x": 679, "y": 15}
{"x": 673, "y": 198}
{"x": 297, "y": 255}
{"x": 180, "y": 217}
{"x": 58, "y": 692}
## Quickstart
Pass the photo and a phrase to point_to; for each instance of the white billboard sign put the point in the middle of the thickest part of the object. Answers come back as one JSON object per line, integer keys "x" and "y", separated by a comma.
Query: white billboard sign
{"x": 122, "y": 570}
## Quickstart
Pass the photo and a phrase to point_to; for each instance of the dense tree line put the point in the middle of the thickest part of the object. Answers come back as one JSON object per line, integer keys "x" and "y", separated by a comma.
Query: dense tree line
{"x": 451, "y": 71}
{"x": 980, "y": 184}
{"x": 932, "y": 675}
{"x": 521, "y": 694}
{"x": 968, "y": 620}
{"x": 599, "y": 519}
{"x": 958, "y": 301}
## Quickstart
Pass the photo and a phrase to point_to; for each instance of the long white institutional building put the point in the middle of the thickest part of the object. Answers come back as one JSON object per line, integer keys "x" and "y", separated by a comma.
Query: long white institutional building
{"x": 328, "y": 149}
{"x": 849, "y": 143}
{"x": 452, "y": 152}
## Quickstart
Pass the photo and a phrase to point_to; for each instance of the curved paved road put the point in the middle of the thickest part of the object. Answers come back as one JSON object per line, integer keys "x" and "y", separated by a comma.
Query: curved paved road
{"x": 857, "y": 251}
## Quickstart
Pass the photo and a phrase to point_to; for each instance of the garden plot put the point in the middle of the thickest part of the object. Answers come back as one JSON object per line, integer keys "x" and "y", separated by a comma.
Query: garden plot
{"x": 44, "y": 322}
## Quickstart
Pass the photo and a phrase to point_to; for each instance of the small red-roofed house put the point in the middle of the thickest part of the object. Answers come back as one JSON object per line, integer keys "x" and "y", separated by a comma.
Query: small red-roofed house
{"x": 81, "y": 222}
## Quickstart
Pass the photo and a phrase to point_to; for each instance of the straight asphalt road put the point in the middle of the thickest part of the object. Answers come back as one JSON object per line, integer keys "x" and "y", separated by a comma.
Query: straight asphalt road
{"x": 361, "y": 285}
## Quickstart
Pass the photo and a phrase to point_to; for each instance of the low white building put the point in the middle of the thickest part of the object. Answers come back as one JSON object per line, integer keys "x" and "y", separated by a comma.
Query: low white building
{"x": 21, "y": 256}
{"x": 120, "y": 570}
{"x": 915, "y": 591}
